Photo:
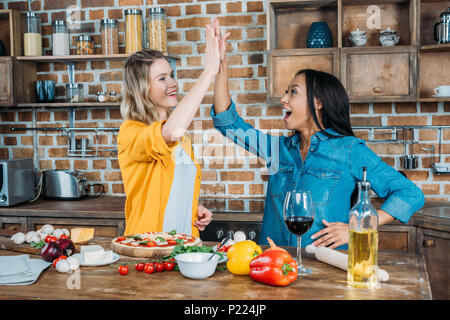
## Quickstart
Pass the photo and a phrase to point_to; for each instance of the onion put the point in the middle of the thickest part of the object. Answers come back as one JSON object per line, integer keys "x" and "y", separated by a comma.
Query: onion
{"x": 67, "y": 246}
{"x": 51, "y": 251}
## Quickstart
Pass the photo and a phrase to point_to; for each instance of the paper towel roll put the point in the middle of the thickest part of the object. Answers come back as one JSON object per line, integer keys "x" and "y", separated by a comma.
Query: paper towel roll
{"x": 338, "y": 259}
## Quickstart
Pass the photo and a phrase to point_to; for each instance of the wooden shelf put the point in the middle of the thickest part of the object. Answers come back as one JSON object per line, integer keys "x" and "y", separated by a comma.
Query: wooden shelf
{"x": 435, "y": 47}
{"x": 445, "y": 99}
{"x": 67, "y": 104}
{"x": 77, "y": 58}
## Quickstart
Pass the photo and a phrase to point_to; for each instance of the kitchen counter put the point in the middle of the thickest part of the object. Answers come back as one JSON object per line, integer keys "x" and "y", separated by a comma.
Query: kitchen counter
{"x": 408, "y": 281}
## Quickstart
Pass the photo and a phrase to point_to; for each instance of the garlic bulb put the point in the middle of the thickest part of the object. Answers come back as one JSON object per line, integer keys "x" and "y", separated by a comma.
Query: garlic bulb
{"x": 58, "y": 233}
{"x": 18, "y": 238}
{"x": 29, "y": 236}
{"x": 36, "y": 238}
{"x": 47, "y": 229}
{"x": 63, "y": 266}
{"x": 74, "y": 262}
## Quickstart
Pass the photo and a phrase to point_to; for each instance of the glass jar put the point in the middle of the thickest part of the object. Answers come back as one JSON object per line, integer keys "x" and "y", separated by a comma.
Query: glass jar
{"x": 101, "y": 96}
{"x": 110, "y": 36}
{"x": 32, "y": 37}
{"x": 133, "y": 30}
{"x": 60, "y": 38}
{"x": 113, "y": 97}
{"x": 74, "y": 92}
{"x": 85, "y": 45}
{"x": 157, "y": 29}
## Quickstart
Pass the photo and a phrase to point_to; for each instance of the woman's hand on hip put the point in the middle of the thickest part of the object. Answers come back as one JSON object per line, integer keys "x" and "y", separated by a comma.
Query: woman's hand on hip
{"x": 335, "y": 234}
{"x": 204, "y": 218}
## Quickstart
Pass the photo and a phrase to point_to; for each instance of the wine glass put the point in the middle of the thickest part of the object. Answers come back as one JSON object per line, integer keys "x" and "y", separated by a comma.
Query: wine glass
{"x": 298, "y": 214}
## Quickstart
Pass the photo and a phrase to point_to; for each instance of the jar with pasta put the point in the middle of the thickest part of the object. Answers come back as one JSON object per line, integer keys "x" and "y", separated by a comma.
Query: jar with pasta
{"x": 156, "y": 29}
{"x": 110, "y": 36}
{"x": 32, "y": 37}
{"x": 85, "y": 45}
{"x": 133, "y": 30}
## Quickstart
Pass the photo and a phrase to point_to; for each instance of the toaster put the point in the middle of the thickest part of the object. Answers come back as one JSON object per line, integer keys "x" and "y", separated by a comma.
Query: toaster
{"x": 64, "y": 185}
{"x": 16, "y": 181}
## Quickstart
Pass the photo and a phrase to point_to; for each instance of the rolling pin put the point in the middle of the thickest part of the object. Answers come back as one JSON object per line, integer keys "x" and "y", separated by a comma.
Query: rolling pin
{"x": 338, "y": 259}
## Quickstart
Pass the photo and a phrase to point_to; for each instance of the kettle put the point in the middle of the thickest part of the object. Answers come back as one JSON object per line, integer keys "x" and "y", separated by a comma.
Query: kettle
{"x": 442, "y": 29}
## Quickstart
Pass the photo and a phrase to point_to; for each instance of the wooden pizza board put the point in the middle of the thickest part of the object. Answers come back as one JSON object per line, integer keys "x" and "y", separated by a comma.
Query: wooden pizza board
{"x": 7, "y": 244}
{"x": 141, "y": 252}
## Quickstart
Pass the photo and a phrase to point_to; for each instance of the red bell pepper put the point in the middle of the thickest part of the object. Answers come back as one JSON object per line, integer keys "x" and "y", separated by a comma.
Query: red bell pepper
{"x": 274, "y": 267}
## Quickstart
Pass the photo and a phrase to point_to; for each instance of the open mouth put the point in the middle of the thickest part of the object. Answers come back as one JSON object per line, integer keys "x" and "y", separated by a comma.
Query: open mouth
{"x": 287, "y": 114}
{"x": 172, "y": 94}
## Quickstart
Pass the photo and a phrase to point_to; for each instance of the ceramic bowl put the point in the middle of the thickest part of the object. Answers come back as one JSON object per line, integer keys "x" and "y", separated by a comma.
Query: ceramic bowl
{"x": 195, "y": 265}
{"x": 358, "y": 41}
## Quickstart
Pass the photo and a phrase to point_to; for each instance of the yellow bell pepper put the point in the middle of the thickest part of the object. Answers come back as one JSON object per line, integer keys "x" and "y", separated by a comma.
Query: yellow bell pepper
{"x": 239, "y": 256}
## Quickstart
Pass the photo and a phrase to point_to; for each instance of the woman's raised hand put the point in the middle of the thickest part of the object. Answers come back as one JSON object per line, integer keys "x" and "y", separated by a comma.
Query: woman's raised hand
{"x": 222, "y": 39}
{"x": 212, "y": 52}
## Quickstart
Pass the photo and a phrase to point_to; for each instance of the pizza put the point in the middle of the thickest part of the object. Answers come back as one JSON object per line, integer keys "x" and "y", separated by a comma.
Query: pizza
{"x": 151, "y": 244}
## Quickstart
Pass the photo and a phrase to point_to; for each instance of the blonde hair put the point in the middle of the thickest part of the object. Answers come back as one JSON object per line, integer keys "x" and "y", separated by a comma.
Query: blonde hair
{"x": 136, "y": 103}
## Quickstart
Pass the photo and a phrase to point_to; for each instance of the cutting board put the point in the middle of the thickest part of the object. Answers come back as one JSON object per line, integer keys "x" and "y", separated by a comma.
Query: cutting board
{"x": 7, "y": 244}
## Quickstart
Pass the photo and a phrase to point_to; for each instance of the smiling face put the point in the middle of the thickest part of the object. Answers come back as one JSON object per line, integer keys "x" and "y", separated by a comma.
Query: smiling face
{"x": 163, "y": 86}
{"x": 295, "y": 106}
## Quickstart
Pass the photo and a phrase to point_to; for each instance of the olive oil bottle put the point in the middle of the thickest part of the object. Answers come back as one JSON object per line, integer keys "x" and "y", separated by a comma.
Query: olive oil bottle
{"x": 363, "y": 240}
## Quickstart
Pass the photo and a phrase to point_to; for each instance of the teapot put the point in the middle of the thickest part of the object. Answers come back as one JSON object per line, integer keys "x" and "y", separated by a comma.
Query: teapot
{"x": 358, "y": 38}
{"x": 389, "y": 38}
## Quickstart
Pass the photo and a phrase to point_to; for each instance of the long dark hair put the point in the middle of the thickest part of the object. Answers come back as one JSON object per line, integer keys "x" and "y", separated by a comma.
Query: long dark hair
{"x": 335, "y": 103}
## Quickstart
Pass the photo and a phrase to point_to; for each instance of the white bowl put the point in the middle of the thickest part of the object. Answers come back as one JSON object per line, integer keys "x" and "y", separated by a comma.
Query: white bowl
{"x": 195, "y": 265}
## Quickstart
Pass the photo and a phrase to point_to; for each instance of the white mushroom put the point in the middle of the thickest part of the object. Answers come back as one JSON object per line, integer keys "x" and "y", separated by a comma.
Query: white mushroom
{"x": 63, "y": 266}
{"x": 18, "y": 238}
{"x": 74, "y": 262}
{"x": 66, "y": 232}
{"x": 239, "y": 236}
{"x": 30, "y": 235}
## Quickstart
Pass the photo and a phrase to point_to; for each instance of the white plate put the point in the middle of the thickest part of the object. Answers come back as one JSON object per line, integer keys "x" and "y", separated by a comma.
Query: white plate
{"x": 98, "y": 264}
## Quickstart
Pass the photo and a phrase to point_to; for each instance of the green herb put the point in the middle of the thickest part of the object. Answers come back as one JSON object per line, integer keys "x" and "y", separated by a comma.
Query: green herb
{"x": 38, "y": 245}
{"x": 179, "y": 249}
{"x": 135, "y": 237}
{"x": 143, "y": 243}
{"x": 180, "y": 241}
{"x": 161, "y": 239}
{"x": 173, "y": 232}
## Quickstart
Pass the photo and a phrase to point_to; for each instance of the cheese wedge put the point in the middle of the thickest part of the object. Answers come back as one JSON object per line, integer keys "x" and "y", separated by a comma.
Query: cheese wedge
{"x": 78, "y": 235}
{"x": 95, "y": 254}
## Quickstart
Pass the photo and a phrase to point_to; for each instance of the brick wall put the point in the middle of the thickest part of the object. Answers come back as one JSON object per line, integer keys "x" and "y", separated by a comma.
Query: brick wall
{"x": 239, "y": 176}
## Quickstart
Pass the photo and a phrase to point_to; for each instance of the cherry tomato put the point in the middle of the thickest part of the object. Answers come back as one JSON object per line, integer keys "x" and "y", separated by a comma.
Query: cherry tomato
{"x": 57, "y": 259}
{"x": 224, "y": 249}
{"x": 121, "y": 238}
{"x": 149, "y": 268}
{"x": 123, "y": 270}
{"x": 169, "y": 265}
{"x": 171, "y": 242}
{"x": 159, "y": 266}
{"x": 151, "y": 244}
{"x": 63, "y": 236}
{"x": 139, "y": 266}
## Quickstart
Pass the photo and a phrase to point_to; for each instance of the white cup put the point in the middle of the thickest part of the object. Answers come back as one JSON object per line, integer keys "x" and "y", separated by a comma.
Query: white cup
{"x": 443, "y": 91}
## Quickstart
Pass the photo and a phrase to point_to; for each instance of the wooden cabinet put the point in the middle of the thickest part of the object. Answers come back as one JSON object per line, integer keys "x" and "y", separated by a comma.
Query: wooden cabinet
{"x": 16, "y": 82}
{"x": 381, "y": 74}
{"x": 406, "y": 72}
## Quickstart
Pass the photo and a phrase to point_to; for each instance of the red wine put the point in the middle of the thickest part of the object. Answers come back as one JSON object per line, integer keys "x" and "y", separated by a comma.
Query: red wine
{"x": 299, "y": 225}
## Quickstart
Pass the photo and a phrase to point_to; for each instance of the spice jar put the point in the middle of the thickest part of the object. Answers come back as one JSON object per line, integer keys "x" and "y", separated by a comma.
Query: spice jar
{"x": 85, "y": 45}
{"x": 110, "y": 36}
{"x": 32, "y": 37}
{"x": 74, "y": 92}
{"x": 156, "y": 29}
{"x": 60, "y": 38}
{"x": 113, "y": 97}
{"x": 133, "y": 30}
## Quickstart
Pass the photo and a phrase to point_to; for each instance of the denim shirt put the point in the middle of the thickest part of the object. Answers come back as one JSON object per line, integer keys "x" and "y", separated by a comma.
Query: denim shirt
{"x": 330, "y": 171}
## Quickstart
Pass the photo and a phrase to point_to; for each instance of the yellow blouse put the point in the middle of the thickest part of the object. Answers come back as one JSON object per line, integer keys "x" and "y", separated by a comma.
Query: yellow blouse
{"x": 147, "y": 165}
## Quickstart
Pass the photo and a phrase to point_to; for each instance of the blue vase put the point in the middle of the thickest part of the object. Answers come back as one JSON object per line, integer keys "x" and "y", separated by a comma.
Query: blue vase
{"x": 319, "y": 36}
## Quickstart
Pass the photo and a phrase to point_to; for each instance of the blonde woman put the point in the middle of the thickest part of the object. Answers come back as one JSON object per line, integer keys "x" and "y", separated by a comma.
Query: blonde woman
{"x": 160, "y": 174}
